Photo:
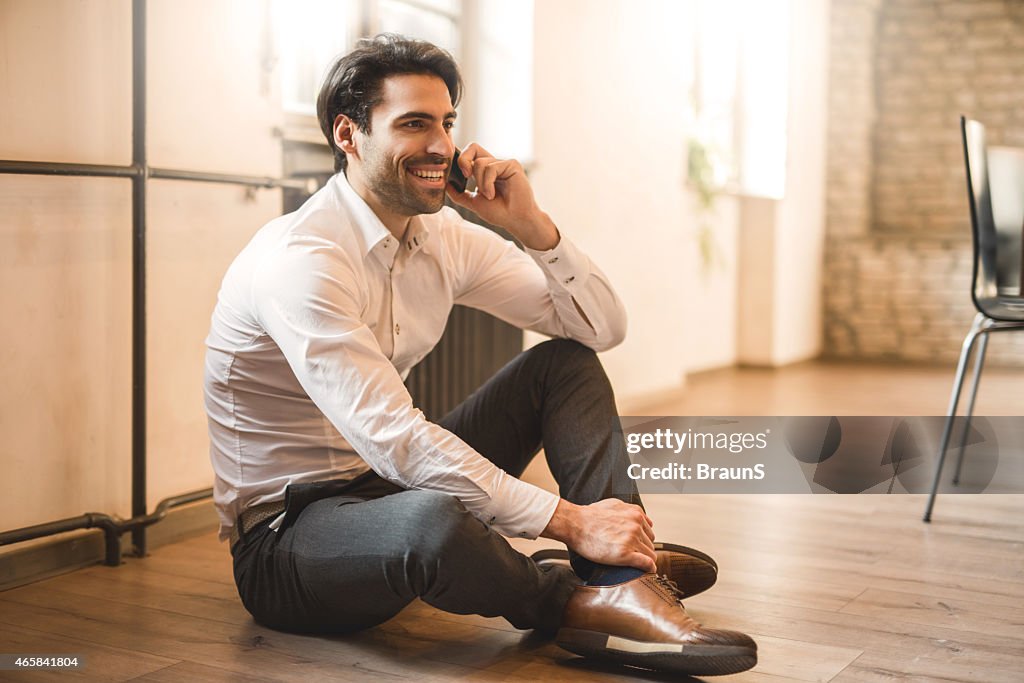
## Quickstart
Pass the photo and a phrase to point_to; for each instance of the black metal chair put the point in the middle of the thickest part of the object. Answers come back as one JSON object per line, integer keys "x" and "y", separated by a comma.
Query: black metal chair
{"x": 997, "y": 229}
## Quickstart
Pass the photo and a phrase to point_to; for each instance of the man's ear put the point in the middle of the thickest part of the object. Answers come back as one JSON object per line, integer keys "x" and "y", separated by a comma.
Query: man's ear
{"x": 345, "y": 135}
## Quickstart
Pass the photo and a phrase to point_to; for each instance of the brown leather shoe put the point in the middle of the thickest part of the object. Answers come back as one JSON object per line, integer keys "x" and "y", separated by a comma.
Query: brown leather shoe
{"x": 643, "y": 623}
{"x": 692, "y": 571}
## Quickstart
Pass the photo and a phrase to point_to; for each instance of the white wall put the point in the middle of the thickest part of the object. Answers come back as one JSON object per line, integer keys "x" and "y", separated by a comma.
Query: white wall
{"x": 782, "y": 241}
{"x": 611, "y": 88}
{"x": 711, "y": 292}
{"x": 65, "y": 243}
{"x": 757, "y": 286}
{"x": 799, "y": 249}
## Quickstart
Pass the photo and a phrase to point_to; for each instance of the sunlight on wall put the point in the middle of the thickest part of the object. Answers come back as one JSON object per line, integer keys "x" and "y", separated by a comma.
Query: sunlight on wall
{"x": 739, "y": 93}
{"x": 763, "y": 87}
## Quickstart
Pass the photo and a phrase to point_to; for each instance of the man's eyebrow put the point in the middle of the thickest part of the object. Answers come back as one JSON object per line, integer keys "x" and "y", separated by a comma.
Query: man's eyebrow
{"x": 424, "y": 115}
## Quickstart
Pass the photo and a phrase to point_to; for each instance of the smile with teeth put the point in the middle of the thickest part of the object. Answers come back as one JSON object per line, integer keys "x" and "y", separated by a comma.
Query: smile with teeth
{"x": 434, "y": 176}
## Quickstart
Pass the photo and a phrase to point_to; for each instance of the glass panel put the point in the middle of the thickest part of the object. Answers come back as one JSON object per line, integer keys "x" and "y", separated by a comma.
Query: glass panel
{"x": 310, "y": 34}
{"x": 398, "y": 17}
{"x": 449, "y": 6}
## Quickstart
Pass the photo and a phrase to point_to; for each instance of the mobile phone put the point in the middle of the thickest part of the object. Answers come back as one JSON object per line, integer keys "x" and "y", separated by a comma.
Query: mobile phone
{"x": 455, "y": 177}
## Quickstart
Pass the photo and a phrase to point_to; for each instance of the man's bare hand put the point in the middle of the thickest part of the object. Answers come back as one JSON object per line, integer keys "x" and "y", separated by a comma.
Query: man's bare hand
{"x": 504, "y": 198}
{"x": 608, "y": 532}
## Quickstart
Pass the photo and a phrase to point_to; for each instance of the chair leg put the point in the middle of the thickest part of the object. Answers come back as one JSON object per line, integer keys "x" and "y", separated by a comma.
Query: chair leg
{"x": 979, "y": 361}
{"x": 954, "y": 399}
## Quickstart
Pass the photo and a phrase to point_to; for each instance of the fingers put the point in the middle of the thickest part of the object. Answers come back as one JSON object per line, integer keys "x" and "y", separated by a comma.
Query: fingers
{"x": 646, "y": 540}
{"x": 643, "y": 535}
{"x": 486, "y": 172}
{"x": 645, "y": 523}
{"x": 468, "y": 157}
{"x": 489, "y": 171}
{"x": 641, "y": 562}
{"x": 647, "y": 547}
{"x": 470, "y": 200}
{"x": 478, "y": 163}
{"x": 618, "y": 533}
{"x": 648, "y": 531}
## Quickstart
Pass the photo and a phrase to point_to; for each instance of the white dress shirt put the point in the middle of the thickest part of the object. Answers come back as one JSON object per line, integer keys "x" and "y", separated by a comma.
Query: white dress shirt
{"x": 320, "y": 318}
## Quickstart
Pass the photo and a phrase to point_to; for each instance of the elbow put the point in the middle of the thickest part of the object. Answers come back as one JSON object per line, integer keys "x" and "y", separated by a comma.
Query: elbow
{"x": 614, "y": 335}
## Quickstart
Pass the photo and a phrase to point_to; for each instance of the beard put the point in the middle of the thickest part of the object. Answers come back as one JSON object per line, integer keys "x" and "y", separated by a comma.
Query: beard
{"x": 391, "y": 182}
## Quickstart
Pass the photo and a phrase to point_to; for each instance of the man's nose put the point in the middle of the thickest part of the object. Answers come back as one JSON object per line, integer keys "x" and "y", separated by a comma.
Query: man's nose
{"x": 441, "y": 144}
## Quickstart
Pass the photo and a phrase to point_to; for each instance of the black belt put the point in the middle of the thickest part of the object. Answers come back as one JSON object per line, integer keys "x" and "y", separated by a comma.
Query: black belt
{"x": 253, "y": 516}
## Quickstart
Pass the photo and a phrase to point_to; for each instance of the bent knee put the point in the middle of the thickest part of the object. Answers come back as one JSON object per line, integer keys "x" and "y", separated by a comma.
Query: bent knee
{"x": 434, "y": 520}
{"x": 430, "y": 504}
{"x": 567, "y": 352}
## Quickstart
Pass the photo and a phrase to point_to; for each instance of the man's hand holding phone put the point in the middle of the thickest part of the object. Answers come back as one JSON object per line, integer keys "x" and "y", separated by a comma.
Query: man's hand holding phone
{"x": 503, "y": 197}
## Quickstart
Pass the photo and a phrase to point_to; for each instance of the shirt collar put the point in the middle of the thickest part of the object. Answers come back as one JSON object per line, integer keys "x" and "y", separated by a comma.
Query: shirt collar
{"x": 417, "y": 234}
{"x": 376, "y": 238}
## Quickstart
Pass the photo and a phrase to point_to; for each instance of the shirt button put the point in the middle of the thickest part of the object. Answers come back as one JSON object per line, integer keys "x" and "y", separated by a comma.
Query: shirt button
{"x": 569, "y": 280}
{"x": 398, "y": 330}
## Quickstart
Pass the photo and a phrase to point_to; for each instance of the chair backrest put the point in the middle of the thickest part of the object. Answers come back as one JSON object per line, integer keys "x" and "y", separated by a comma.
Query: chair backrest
{"x": 1006, "y": 187}
{"x": 995, "y": 190}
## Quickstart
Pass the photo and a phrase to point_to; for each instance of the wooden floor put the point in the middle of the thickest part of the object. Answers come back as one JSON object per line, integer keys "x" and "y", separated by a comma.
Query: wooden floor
{"x": 833, "y": 588}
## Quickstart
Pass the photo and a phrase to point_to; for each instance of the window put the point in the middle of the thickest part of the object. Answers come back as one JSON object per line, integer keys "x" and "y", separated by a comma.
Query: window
{"x": 740, "y": 92}
{"x": 311, "y": 33}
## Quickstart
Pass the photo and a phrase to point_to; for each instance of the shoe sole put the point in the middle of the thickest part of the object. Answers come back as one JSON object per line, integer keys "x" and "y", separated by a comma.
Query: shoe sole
{"x": 693, "y": 576}
{"x": 692, "y": 660}
{"x": 698, "y": 576}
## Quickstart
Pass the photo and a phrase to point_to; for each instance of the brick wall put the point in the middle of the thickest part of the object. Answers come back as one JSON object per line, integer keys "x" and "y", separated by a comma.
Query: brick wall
{"x": 898, "y": 251}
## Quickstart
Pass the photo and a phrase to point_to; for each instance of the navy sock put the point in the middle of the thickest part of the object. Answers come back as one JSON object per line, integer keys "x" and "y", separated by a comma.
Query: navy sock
{"x": 605, "y": 575}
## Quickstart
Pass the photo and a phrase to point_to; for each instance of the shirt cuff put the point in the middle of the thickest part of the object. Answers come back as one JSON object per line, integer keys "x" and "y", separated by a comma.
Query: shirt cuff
{"x": 520, "y": 509}
{"x": 564, "y": 265}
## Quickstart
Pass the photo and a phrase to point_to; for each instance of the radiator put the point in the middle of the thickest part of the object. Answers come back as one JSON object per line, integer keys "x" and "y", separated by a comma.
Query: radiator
{"x": 474, "y": 346}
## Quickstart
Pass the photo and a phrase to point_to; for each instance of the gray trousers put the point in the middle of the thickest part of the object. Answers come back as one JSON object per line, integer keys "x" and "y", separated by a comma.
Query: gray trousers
{"x": 351, "y": 555}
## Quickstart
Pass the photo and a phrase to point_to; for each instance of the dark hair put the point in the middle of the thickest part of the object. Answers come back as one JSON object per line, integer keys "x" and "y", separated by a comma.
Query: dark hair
{"x": 353, "y": 83}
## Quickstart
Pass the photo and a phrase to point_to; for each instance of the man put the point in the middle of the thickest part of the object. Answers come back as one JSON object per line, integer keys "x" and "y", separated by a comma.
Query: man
{"x": 342, "y": 501}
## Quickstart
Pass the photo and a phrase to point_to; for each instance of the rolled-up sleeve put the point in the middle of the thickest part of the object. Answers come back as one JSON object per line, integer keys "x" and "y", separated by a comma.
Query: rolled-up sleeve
{"x": 308, "y": 301}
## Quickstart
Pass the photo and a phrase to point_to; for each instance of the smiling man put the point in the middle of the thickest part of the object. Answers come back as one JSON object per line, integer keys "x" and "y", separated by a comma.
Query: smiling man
{"x": 342, "y": 502}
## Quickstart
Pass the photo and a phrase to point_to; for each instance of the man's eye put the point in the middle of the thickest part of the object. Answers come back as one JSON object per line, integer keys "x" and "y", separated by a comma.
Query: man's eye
{"x": 448, "y": 125}
{"x": 414, "y": 124}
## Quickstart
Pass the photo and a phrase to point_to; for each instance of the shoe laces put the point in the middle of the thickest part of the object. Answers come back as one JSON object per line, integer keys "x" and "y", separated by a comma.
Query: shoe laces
{"x": 670, "y": 587}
